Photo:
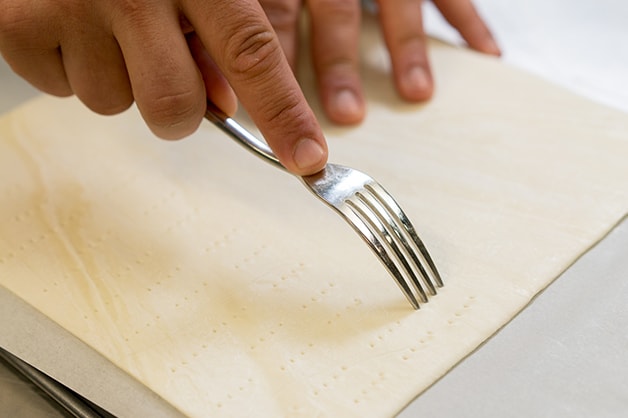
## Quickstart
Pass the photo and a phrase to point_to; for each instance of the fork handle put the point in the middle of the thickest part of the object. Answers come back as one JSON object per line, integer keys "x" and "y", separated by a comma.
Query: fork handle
{"x": 241, "y": 135}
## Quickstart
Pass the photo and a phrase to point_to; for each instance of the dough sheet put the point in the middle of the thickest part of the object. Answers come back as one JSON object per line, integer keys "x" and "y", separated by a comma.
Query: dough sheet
{"x": 221, "y": 284}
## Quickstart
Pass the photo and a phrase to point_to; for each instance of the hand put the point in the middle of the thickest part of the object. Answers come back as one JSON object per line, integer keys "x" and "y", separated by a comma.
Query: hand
{"x": 335, "y": 29}
{"x": 112, "y": 52}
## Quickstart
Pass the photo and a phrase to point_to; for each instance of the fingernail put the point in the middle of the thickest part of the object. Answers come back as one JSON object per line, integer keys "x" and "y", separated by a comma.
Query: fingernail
{"x": 416, "y": 83}
{"x": 492, "y": 47}
{"x": 308, "y": 153}
{"x": 345, "y": 103}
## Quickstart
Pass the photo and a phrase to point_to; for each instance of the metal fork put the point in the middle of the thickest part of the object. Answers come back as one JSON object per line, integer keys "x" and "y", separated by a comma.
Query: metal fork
{"x": 366, "y": 206}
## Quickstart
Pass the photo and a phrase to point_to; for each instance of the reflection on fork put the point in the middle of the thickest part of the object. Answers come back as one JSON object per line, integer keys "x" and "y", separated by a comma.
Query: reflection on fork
{"x": 367, "y": 207}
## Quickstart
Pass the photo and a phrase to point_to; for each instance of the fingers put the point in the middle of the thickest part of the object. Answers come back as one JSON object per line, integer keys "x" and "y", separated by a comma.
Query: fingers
{"x": 402, "y": 26}
{"x": 463, "y": 16}
{"x": 283, "y": 15}
{"x": 335, "y": 38}
{"x": 217, "y": 88}
{"x": 63, "y": 50}
{"x": 110, "y": 52}
{"x": 166, "y": 82}
{"x": 29, "y": 41}
{"x": 242, "y": 42}
{"x": 97, "y": 76}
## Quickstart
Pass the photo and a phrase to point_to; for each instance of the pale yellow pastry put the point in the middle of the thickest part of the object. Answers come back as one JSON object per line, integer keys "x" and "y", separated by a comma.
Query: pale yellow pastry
{"x": 220, "y": 283}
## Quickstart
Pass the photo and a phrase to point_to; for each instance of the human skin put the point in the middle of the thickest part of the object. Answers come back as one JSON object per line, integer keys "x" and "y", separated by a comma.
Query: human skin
{"x": 335, "y": 30}
{"x": 170, "y": 56}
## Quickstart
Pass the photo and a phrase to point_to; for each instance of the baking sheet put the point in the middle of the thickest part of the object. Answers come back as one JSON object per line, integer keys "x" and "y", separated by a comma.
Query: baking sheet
{"x": 603, "y": 336}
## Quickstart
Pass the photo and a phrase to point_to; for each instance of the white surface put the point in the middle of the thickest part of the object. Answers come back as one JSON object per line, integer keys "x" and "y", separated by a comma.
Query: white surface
{"x": 578, "y": 44}
{"x": 563, "y": 356}
{"x": 172, "y": 287}
{"x": 130, "y": 396}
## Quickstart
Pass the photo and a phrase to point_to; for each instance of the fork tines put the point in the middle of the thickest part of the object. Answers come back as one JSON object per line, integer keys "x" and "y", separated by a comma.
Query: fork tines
{"x": 370, "y": 210}
{"x": 380, "y": 221}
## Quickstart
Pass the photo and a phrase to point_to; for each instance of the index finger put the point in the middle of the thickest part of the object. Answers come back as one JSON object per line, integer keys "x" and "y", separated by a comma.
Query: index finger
{"x": 243, "y": 44}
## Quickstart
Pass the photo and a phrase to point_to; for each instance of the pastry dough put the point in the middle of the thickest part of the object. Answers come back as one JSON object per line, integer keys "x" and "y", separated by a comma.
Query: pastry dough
{"x": 224, "y": 286}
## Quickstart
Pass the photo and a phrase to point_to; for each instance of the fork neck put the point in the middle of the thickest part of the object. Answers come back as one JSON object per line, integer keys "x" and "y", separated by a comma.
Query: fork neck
{"x": 241, "y": 135}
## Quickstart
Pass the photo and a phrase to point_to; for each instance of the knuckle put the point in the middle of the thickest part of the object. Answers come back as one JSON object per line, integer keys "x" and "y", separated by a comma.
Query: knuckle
{"x": 171, "y": 114}
{"x": 252, "y": 51}
{"x": 31, "y": 26}
{"x": 283, "y": 15}
{"x": 288, "y": 114}
{"x": 282, "y": 109}
{"x": 129, "y": 8}
{"x": 410, "y": 40}
{"x": 128, "y": 14}
{"x": 14, "y": 21}
{"x": 342, "y": 11}
{"x": 338, "y": 65}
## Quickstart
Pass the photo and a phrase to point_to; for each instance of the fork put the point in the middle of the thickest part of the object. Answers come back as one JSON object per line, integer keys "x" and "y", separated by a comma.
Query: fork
{"x": 366, "y": 206}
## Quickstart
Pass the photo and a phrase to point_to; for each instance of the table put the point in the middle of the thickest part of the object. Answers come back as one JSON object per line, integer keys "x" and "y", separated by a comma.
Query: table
{"x": 564, "y": 355}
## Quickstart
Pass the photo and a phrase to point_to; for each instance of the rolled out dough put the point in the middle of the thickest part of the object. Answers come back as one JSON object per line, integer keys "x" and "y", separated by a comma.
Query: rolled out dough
{"x": 220, "y": 283}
